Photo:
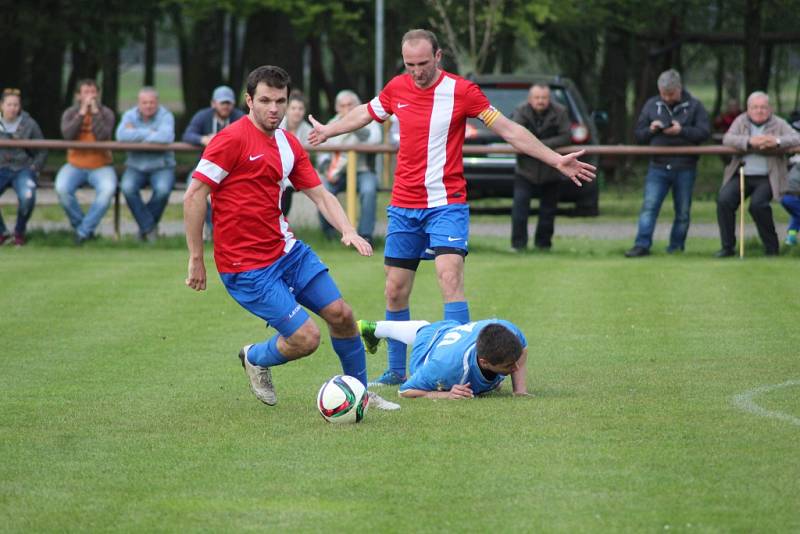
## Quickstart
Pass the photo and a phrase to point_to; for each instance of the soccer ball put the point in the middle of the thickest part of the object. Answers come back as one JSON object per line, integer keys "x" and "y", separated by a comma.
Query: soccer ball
{"x": 343, "y": 399}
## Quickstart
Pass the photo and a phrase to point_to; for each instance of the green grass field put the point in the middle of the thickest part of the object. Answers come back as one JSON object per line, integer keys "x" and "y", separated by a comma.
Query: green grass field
{"x": 124, "y": 406}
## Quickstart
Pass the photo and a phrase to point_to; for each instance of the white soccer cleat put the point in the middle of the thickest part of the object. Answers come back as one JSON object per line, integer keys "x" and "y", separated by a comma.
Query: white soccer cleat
{"x": 260, "y": 379}
{"x": 376, "y": 401}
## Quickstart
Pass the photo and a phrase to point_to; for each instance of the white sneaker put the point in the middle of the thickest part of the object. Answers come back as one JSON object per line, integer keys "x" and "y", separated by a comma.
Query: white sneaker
{"x": 260, "y": 379}
{"x": 376, "y": 401}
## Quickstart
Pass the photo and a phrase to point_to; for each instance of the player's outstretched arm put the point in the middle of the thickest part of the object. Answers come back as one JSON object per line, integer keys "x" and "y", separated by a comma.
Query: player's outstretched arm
{"x": 358, "y": 117}
{"x": 518, "y": 380}
{"x": 457, "y": 392}
{"x": 194, "y": 214}
{"x": 523, "y": 140}
{"x": 329, "y": 207}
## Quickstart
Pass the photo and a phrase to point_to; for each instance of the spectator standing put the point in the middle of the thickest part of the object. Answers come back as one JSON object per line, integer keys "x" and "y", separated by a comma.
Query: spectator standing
{"x": 673, "y": 118}
{"x": 148, "y": 122}
{"x": 428, "y": 215}
{"x": 332, "y": 167}
{"x": 763, "y": 136}
{"x": 296, "y": 123}
{"x": 19, "y": 167}
{"x": 549, "y": 122}
{"x": 86, "y": 121}
{"x": 207, "y": 123}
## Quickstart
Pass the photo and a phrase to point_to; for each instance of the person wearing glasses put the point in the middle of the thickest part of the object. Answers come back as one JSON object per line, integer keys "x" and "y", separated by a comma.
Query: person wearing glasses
{"x": 19, "y": 167}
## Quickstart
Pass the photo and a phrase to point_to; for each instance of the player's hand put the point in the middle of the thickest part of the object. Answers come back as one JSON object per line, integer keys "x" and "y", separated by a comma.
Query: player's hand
{"x": 196, "y": 278}
{"x": 574, "y": 169}
{"x": 522, "y": 394}
{"x": 317, "y": 135}
{"x": 459, "y": 391}
{"x": 674, "y": 128}
{"x": 352, "y": 239}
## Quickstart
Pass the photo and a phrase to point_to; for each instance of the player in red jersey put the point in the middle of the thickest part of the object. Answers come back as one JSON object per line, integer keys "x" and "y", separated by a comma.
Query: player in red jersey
{"x": 263, "y": 267}
{"x": 428, "y": 215}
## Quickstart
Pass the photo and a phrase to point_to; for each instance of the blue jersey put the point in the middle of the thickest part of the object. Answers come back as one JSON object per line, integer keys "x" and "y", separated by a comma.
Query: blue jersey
{"x": 444, "y": 355}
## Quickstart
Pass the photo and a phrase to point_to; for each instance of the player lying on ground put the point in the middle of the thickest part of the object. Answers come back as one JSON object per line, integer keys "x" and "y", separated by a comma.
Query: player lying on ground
{"x": 264, "y": 268}
{"x": 450, "y": 360}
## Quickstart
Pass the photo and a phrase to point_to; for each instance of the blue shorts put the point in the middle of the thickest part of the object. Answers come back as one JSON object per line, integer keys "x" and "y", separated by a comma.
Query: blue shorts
{"x": 276, "y": 293}
{"x": 427, "y": 336}
{"x": 414, "y": 234}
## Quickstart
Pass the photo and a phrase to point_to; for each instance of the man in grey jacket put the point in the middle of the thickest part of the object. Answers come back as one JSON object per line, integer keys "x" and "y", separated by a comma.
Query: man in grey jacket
{"x": 673, "y": 118}
{"x": 148, "y": 122}
{"x": 18, "y": 166}
{"x": 549, "y": 122}
{"x": 763, "y": 136}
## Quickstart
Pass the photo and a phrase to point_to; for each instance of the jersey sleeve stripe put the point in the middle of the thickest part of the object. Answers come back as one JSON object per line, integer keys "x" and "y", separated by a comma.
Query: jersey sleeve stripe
{"x": 488, "y": 116}
{"x": 375, "y": 109}
{"x": 211, "y": 170}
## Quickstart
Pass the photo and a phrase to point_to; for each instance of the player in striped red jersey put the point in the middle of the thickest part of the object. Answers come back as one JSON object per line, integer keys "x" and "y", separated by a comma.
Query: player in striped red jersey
{"x": 263, "y": 266}
{"x": 428, "y": 214}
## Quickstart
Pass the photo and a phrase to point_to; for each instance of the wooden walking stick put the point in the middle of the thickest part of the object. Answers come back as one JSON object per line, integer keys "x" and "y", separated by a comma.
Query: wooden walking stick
{"x": 741, "y": 211}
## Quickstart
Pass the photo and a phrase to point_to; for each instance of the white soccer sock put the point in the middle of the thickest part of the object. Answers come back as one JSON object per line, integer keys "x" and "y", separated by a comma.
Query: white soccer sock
{"x": 403, "y": 331}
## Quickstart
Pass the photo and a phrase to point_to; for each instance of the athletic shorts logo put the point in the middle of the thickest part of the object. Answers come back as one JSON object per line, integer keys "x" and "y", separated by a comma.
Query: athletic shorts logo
{"x": 253, "y": 158}
{"x": 453, "y": 238}
{"x": 402, "y": 105}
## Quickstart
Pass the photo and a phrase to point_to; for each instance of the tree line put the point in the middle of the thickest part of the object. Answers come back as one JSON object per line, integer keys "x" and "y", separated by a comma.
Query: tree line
{"x": 612, "y": 49}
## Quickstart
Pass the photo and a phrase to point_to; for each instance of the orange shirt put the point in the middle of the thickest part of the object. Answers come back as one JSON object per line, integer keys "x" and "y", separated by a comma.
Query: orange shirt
{"x": 88, "y": 158}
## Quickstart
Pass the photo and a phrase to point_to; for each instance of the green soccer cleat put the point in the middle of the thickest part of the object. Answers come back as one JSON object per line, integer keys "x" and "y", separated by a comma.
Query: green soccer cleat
{"x": 367, "y": 331}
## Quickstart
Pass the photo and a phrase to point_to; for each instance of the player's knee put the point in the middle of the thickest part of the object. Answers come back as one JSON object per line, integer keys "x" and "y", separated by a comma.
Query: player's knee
{"x": 396, "y": 293}
{"x": 339, "y": 314}
{"x": 305, "y": 340}
{"x": 450, "y": 281}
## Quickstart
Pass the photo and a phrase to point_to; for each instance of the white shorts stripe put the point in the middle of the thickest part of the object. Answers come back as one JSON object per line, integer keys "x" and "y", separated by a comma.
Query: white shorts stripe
{"x": 441, "y": 115}
{"x": 211, "y": 170}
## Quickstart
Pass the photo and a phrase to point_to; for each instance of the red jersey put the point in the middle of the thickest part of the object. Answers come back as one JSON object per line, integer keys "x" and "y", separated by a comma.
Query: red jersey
{"x": 430, "y": 167}
{"x": 244, "y": 168}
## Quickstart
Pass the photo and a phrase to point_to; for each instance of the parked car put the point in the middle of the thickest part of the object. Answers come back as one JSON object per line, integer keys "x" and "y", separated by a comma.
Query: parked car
{"x": 492, "y": 175}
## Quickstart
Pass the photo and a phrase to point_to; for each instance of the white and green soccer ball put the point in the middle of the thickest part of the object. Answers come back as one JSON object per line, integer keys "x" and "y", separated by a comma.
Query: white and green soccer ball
{"x": 343, "y": 399}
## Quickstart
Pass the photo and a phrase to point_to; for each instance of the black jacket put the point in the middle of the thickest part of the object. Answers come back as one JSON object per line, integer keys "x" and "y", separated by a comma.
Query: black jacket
{"x": 695, "y": 128}
{"x": 552, "y": 128}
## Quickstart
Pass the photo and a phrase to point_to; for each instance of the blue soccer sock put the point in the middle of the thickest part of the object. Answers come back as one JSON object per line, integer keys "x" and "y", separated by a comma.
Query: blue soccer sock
{"x": 351, "y": 353}
{"x": 456, "y": 311}
{"x": 266, "y": 354}
{"x": 395, "y": 349}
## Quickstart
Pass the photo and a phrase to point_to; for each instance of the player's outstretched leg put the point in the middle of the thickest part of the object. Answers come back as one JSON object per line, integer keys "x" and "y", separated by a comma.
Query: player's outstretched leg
{"x": 260, "y": 379}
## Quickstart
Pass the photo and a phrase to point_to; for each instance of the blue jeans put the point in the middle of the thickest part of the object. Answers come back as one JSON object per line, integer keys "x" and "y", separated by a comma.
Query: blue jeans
{"x": 161, "y": 181}
{"x": 791, "y": 203}
{"x": 104, "y": 182}
{"x": 367, "y": 183}
{"x": 657, "y": 182}
{"x": 25, "y": 186}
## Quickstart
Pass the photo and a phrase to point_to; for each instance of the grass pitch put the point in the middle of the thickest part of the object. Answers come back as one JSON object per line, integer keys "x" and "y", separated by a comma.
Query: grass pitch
{"x": 123, "y": 405}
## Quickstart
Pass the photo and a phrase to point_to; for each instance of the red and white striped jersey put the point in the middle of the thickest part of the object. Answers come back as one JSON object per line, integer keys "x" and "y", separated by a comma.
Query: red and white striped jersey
{"x": 245, "y": 168}
{"x": 430, "y": 170}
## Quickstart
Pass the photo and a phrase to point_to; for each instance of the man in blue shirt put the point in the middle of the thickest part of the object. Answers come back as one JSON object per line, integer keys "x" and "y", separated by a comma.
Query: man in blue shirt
{"x": 450, "y": 360}
{"x": 148, "y": 122}
{"x": 207, "y": 123}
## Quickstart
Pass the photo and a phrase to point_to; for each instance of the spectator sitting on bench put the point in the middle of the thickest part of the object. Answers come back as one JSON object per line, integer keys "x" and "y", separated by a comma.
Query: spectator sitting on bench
{"x": 18, "y": 166}
{"x": 86, "y": 121}
{"x": 148, "y": 122}
{"x": 207, "y": 123}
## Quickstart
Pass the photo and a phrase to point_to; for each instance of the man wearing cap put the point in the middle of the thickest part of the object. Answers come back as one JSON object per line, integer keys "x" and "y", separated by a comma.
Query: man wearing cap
{"x": 208, "y": 122}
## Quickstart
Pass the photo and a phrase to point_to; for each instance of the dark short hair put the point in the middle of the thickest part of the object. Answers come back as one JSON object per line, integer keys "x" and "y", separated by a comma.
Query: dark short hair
{"x": 86, "y": 81}
{"x": 498, "y": 345}
{"x": 271, "y": 75}
{"x": 413, "y": 35}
